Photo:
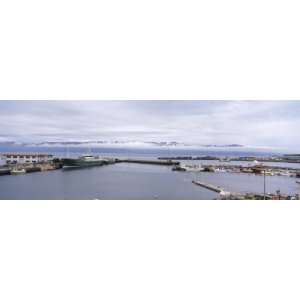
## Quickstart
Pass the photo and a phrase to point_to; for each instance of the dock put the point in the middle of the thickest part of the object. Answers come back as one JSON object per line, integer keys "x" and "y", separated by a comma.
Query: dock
{"x": 29, "y": 168}
{"x": 293, "y": 158}
{"x": 210, "y": 187}
{"x": 148, "y": 161}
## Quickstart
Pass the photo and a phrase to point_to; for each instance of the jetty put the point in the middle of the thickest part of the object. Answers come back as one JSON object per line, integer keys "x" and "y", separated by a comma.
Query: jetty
{"x": 210, "y": 187}
{"x": 57, "y": 163}
{"x": 292, "y": 158}
{"x": 148, "y": 161}
{"x": 225, "y": 195}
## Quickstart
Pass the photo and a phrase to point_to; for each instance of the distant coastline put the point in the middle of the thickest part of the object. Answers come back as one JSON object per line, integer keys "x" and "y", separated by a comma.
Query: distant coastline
{"x": 128, "y": 143}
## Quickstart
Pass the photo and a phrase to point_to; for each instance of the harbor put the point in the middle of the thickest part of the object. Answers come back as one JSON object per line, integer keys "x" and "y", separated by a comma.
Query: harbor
{"x": 285, "y": 158}
{"x": 149, "y": 161}
{"x": 148, "y": 178}
{"x": 226, "y": 195}
{"x": 53, "y": 163}
{"x": 19, "y": 167}
{"x": 255, "y": 169}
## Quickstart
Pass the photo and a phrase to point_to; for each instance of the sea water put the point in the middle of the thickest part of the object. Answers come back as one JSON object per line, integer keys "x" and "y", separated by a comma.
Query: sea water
{"x": 135, "y": 181}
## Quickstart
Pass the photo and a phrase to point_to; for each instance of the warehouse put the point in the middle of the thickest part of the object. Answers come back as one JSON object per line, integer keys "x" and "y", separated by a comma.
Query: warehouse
{"x": 21, "y": 158}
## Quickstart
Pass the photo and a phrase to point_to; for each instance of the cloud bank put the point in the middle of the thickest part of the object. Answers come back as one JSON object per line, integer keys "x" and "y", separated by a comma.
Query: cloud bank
{"x": 256, "y": 123}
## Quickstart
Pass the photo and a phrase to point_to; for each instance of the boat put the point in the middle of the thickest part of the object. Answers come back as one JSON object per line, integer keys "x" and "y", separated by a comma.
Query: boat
{"x": 192, "y": 168}
{"x": 85, "y": 161}
{"x": 4, "y": 171}
{"x": 298, "y": 181}
{"x": 33, "y": 169}
{"x": 269, "y": 173}
{"x": 220, "y": 170}
{"x": 224, "y": 159}
{"x": 188, "y": 168}
{"x": 284, "y": 174}
{"x": 247, "y": 171}
{"x": 17, "y": 171}
{"x": 178, "y": 168}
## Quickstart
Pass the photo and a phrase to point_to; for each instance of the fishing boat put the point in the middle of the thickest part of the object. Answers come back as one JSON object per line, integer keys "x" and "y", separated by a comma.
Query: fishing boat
{"x": 85, "y": 161}
{"x": 17, "y": 171}
{"x": 178, "y": 168}
{"x": 188, "y": 168}
{"x": 269, "y": 173}
{"x": 284, "y": 173}
{"x": 224, "y": 159}
{"x": 192, "y": 168}
{"x": 220, "y": 170}
{"x": 4, "y": 171}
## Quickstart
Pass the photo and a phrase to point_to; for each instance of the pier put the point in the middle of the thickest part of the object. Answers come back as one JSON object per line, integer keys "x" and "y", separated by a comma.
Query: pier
{"x": 148, "y": 161}
{"x": 210, "y": 187}
{"x": 225, "y": 195}
{"x": 284, "y": 159}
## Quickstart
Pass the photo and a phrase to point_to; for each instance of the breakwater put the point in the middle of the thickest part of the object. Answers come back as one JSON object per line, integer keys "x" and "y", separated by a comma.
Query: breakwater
{"x": 208, "y": 186}
{"x": 282, "y": 159}
{"x": 58, "y": 164}
{"x": 148, "y": 161}
{"x": 226, "y": 195}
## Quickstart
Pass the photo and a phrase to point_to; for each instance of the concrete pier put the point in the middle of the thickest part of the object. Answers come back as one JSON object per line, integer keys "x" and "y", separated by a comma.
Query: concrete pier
{"x": 210, "y": 187}
{"x": 148, "y": 161}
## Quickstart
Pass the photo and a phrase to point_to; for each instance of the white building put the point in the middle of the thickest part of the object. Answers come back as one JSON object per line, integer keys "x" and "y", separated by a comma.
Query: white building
{"x": 21, "y": 158}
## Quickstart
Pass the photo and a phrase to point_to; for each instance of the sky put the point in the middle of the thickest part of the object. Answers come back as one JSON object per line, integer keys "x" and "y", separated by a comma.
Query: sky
{"x": 250, "y": 123}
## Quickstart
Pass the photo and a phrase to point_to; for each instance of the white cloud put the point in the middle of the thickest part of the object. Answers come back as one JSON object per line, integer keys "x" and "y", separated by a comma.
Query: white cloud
{"x": 261, "y": 123}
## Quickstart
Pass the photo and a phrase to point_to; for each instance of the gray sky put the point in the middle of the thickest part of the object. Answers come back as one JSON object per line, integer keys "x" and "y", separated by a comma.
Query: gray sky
{"x": 254, "y": 123}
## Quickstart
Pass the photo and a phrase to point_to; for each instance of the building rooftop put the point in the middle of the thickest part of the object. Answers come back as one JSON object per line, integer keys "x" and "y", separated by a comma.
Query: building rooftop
{"x": 27, "y": 154}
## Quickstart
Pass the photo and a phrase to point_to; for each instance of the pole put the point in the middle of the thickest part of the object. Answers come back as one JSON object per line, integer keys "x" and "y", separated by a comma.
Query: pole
{"x": 264, "y": 184}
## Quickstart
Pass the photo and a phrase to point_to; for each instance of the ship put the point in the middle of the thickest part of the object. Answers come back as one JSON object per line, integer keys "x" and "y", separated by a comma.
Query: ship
{"x": 85, "y": 161}
{"x": 4, "y": 171}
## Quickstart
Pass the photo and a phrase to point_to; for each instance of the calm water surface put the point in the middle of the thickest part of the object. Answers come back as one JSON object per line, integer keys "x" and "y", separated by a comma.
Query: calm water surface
{"x": 134, "y": 181}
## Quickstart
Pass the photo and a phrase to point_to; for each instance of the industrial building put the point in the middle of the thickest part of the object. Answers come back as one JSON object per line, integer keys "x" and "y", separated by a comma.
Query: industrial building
{"x": 22, "y": 158}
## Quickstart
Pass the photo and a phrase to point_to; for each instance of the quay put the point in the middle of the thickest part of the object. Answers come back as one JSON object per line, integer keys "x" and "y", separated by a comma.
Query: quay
{"x": 208, "y": 186}
{"x": 256, "y": 169}
{"x": 23, "y": 168}
{"x": 293, "y": 158}
{"x": 148, "y": 161}
{"x": 19, "y": 167}
{"x": 225, "y": 195}
{"x": 262, "y": 166}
